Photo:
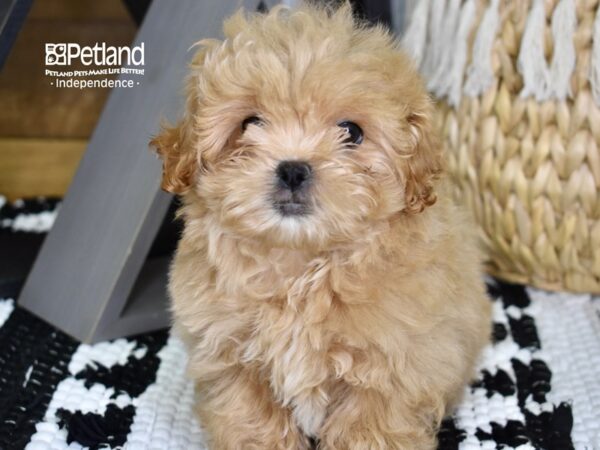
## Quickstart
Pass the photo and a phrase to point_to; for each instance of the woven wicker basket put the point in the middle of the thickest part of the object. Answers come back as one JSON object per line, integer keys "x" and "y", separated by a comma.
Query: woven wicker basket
{"x": 523, "y": 139}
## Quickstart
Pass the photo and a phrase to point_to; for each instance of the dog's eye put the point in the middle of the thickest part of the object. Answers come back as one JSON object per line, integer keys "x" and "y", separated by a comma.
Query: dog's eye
{"x": 353, "y": 131}
{"x": 252, "y": 120}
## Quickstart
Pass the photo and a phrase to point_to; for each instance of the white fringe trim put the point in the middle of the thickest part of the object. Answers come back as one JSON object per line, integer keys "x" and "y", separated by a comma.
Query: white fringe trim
{"x": 434, "y": 38}
{"x": 439, "y": 80}
{"x": 480, "y": 74}
{"x": 531, "y": 62}
{"x": 415, "y": 38}
{"x": 564, "y": 23}
{"x": 467, "y": 15}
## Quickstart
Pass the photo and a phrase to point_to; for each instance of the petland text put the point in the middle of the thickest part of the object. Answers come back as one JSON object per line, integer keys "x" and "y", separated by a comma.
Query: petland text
{"x": 65, "y": 54}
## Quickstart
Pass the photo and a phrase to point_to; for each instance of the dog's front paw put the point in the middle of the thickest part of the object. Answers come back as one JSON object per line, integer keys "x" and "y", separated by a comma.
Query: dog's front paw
{"x": 365, "y": 419}
{"x": 358, "y": 438}
{"x": 238, "y": 412}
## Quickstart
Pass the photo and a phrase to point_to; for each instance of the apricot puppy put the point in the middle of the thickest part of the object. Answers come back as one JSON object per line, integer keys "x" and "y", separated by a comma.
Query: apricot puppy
{"x": 325, "y": 285}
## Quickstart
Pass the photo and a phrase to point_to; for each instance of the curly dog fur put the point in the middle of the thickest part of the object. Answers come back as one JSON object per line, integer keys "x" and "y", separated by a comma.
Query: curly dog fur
{"x": 358, "y": 322}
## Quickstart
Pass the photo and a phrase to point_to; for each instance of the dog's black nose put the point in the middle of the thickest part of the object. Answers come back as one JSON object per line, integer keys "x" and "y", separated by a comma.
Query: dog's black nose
{"x": 293, "y": 174}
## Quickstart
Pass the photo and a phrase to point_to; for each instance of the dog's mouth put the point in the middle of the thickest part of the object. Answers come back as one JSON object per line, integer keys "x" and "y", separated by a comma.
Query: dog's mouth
{"x": 292, "y": 208}
{"x": 289, "y": 203}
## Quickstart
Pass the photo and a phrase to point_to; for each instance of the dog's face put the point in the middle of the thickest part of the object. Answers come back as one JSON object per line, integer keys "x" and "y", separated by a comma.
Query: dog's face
{"x": 302, "y": 128}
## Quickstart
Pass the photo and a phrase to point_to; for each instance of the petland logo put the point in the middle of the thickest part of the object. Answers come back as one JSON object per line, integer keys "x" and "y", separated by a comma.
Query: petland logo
{"x": 65, "y": 54}
{"x": 105, "y": 67}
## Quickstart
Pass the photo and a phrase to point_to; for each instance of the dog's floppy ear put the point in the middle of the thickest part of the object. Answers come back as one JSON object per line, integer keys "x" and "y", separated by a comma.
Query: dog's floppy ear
{"x": 176, "y": 145}
{"x": 424, "y": 164}
{"x": 179, "y": 159}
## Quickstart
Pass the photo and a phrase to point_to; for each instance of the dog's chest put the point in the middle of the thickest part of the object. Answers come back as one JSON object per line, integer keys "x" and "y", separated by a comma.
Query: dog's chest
{"x": 290, "y": 342}
{"x": 298, "y": 369}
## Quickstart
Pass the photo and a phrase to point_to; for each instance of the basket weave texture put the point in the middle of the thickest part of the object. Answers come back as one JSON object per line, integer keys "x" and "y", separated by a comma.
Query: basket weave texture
{"x": 529, "y": 170}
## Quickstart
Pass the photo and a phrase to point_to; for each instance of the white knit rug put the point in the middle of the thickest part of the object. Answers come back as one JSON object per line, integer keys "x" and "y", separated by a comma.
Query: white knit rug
{"x": 542, "y": 372}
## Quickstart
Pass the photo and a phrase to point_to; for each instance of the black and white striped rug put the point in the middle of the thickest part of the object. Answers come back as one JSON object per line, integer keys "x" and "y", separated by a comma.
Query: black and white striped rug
{"x": 538, "y": 385}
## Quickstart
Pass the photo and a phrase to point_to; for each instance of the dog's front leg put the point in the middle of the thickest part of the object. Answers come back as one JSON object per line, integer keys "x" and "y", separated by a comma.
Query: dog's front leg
{"x": 237, "y": 410}
{"x": 364, "y": 419}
